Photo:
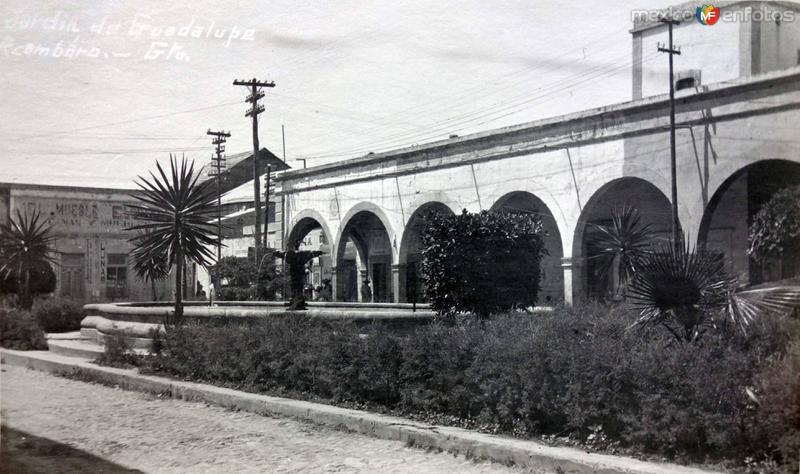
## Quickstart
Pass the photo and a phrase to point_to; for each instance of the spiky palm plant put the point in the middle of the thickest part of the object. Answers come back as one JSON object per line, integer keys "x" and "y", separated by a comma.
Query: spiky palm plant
{"x": 620, "y": 246}
{"x": 688, "y": 291}
{"x": 176, "y": 214}
{"x": 152, "y": 269}
{"x": 25, "y": 245}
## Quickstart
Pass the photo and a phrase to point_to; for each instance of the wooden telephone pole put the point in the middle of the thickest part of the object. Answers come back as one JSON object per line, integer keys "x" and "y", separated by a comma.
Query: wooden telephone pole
{"x": 677, "y": 241}
{"x": 255, "y": 95}
{"x": 217, "y": 167}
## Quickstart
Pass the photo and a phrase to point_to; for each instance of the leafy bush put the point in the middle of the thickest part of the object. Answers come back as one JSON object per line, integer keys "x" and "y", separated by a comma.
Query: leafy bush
{"x": 58, "y": 315}
{"x": 776, "y": 225}
{"x": 20, "y": 331}
{"x": 241, "y": 274}
{"x": 577, "y": 373}
{"x": 43, "y": 280}
{"x": 118, "y": 352}
{"x": 779, "y": 406}
{"x": 482, "y": 263}
{"x": 232, "y": 293}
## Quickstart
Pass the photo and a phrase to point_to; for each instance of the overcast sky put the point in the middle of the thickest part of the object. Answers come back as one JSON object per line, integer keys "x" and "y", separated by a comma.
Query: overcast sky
{"x": 94, "y": 92}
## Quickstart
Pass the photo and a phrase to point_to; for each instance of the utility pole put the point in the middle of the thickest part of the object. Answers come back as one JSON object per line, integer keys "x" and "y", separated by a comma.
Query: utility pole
{"x": 677, "y": 241}
{"x": 283, "y": 138}
{"x": 266, "y": 202}
{"x": 217, "y": 166}
{"x": 255, "y": 94}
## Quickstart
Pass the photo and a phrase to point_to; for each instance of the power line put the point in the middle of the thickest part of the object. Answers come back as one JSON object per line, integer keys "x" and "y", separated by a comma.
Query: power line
{"x": 124, "y": 122}
{"x": 506, "y": 102}
{"x": 467, "y": 94}
{"x": 551, "y": 89}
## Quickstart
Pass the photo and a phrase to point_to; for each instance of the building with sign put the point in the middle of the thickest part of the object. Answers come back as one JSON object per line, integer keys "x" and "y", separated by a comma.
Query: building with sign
{"x": 91, "y": 247}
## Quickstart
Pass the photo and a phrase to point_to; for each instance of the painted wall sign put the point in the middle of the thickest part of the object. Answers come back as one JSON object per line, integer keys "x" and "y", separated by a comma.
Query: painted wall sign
{"x": 77, "y": 215}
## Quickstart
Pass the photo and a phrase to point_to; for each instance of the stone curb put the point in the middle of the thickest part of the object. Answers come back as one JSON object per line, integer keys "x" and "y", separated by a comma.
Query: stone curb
{"x": 528, "y": 454}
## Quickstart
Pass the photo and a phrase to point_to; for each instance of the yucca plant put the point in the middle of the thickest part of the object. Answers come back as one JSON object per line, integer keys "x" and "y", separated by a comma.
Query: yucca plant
{"x": 151, "y": 269}
{"x": 26, "y": 244}
{"x": 621, "y": 246}
{"x": 176, "y": 214}
{"x": 688, "y": 291}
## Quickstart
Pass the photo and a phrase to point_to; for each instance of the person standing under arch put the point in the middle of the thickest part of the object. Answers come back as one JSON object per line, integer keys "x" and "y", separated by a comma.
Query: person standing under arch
{"x": 366, "y": 291}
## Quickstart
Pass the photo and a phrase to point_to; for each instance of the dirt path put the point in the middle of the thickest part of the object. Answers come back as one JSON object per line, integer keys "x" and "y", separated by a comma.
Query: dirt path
{"x": 139, "y": 431}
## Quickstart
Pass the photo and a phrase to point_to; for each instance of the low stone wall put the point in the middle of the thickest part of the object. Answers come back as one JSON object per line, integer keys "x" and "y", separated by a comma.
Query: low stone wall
{"x": 137, "y": 321}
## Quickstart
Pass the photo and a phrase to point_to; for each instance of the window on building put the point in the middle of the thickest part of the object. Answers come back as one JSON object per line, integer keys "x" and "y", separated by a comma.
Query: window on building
{"x": 117, "y": 276}
{"x": 685, "y": 83}
{"x": 687, "y": 79}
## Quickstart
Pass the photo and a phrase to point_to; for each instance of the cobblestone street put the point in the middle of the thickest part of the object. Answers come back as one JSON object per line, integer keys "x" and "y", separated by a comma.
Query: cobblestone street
{"x": 143, "y": 432}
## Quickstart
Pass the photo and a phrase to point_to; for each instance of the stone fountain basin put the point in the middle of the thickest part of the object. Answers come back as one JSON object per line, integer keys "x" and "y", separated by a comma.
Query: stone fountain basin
{"x": 136, "y": 321}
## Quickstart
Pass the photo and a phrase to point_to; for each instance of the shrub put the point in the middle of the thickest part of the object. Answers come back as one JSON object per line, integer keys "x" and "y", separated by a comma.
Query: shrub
{"x": 58, "y": 315}
{"x": 776, "y": 225}
{"x": 576, "y": 372}
{"x": 232, "y": 293}
{"x": 20, "y": 331}
{"x": 241, "y": 274}
{"x": 779, "y": 406}
{"x": 118, "y": 352}
{"x": 482, "y": 263}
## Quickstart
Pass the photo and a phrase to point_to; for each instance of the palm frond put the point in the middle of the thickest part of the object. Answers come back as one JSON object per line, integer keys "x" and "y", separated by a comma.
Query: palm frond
{"x": 25, "y": 241}
{"x": 174, "y": 218}
{"x": 750, "y": 303}
{"x": 173, "y": 210}
{"x": 680, "y": 288}
{"x": 688, "y": 291}
{"x": 625, "y": 242}
{"x": 26, "y": 245}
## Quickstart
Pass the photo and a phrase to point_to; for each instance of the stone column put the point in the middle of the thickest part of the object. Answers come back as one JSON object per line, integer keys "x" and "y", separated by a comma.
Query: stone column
{"x": 572, "y": 275}
{"x": 398, "y": 283}
{"x": 362, "y": 275}
{"x": 334, "y": 284}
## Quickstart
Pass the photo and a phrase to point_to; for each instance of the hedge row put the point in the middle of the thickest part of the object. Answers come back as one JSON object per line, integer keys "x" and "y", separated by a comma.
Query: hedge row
{"x": 576, "y": 373}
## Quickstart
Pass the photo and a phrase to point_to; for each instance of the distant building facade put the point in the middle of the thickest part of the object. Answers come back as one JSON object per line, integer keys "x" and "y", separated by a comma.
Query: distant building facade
{"x": 91, "y": 250}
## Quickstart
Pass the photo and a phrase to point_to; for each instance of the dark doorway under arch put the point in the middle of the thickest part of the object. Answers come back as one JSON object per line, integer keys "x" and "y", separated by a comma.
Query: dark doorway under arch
{"x": 309, "y": 233}
{"x": 364, "y": 252}
{"x": 727, "y": 218}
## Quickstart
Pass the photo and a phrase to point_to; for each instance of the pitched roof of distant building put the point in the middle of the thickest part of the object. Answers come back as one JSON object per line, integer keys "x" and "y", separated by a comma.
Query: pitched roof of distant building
{"x": 239, "y": 167}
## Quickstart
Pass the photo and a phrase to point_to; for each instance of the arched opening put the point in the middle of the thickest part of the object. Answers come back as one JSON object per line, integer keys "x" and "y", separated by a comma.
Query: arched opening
{"x": 310, "y": 233}
{"x": 412, "y": 288}
{"x": 727, "y": 218}
{"x": 552, "y": 276}
{"x": 654, "y": 209}
{"x": 364, "y": 254}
